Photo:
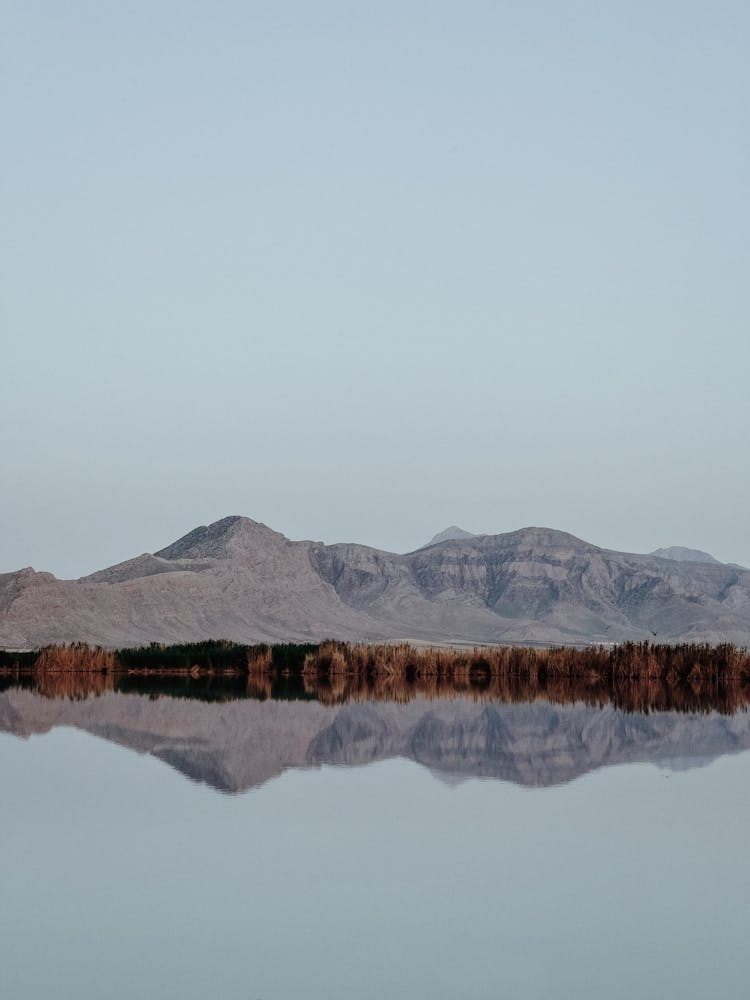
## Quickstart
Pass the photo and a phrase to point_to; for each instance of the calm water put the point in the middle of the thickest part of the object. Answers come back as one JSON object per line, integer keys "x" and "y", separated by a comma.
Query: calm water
{"x": 155, "y": 847}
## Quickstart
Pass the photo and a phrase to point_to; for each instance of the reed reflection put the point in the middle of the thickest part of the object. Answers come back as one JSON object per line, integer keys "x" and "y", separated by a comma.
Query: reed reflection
{"x": 631, "y": 677}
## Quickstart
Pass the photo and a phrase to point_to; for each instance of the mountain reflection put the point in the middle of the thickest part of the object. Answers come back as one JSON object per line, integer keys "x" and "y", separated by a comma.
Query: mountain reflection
{"x": 235, "y": 733}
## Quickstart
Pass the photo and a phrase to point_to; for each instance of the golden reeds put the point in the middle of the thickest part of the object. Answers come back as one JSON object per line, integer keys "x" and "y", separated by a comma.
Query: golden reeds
{"x": 636, "y": 677}
{"x": 632, "y": 676}
{"x": 73, "y": 658}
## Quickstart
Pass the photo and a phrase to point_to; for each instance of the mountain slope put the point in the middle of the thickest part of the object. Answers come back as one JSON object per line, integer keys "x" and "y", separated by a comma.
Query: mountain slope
{"x": 240, "y": 580}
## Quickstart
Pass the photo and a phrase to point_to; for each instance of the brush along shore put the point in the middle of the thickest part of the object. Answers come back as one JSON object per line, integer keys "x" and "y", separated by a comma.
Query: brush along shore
{"x": 632, "y": 676}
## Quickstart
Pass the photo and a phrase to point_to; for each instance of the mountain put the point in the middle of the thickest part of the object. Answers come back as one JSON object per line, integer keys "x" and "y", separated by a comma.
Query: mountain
{"x": 449, "y": 535}
{"x": 680, "y": 554}
{"x": 236, "y": 745}
{"x": 237, "y": 579}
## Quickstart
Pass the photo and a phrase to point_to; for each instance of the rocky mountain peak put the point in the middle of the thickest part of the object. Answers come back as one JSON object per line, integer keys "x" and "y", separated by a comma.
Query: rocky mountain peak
{"x": 238, "y": 579}
{"x": 448, "y": 535}
{"x": 537, "y": 538}
{"x": 224, "y": 539}
{"x": 678, "y": 553}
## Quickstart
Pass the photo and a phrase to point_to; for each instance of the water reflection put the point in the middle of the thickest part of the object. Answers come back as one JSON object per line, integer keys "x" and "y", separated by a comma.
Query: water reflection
{"x": 379, "y": 881}
{"x": 234, "y": 733}
{"x": 120, "y": 880}
{"x": 631, "y": 692}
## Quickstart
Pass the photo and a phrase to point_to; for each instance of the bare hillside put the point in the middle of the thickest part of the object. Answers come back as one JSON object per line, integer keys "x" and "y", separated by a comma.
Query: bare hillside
{"x": 238, "y": 579}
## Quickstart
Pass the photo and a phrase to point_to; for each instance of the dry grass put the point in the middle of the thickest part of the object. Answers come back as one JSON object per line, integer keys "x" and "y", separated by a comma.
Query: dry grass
{"x": 74, "y": 671}
{"x": 74, "y": 658}
{"x": 633, "y": 676}
{"x": 259, "y": 659}
{"x": 627, "y": 660}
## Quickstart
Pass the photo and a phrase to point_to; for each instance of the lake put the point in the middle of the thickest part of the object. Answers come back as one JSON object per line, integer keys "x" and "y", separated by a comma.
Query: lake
{"x": 265, "y": 849}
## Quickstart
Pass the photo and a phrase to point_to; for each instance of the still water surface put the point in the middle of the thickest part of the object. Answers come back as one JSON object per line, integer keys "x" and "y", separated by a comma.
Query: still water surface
{"x": 408, "y": 876}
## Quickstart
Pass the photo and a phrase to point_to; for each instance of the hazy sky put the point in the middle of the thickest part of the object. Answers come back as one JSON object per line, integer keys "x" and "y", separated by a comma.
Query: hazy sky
{"x": 360, "y": 271}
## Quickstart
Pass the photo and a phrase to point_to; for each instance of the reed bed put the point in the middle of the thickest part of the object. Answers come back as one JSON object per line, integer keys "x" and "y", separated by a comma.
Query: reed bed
{"x": 75, "y": 658}
{"x": 633, "y": 676}
{"x": 632, "y": 659}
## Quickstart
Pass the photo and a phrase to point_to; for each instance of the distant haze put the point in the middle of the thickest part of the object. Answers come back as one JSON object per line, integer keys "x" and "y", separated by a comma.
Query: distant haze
{"x": 361, "y": 272}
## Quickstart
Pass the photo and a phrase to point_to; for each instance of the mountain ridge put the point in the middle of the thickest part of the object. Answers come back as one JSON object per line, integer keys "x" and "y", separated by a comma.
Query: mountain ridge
{"x": 239, "y": 579}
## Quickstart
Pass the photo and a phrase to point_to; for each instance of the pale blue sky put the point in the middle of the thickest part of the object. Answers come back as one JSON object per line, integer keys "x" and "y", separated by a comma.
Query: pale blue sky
{"x": 361, "y": 271}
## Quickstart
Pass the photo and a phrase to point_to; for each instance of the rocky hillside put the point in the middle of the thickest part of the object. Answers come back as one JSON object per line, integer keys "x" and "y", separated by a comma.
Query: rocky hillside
{"x": 238, "y": 579}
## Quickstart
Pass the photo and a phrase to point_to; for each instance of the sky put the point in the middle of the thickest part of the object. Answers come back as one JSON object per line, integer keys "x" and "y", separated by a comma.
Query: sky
{"x": 361, "y": 271}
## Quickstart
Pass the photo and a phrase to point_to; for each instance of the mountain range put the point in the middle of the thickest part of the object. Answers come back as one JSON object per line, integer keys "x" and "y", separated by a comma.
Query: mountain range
{"x": 240, "y": 580}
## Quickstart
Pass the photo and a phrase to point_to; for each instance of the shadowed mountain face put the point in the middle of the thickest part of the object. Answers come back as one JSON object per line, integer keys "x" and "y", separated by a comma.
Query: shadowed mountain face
{"x": 240, "y": 580}
{"x": 233, "y": 746}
